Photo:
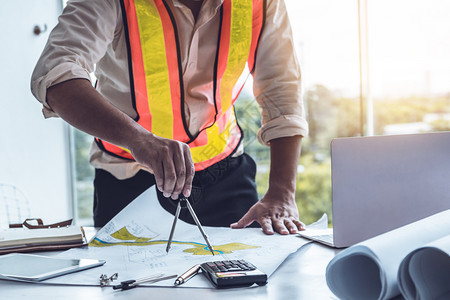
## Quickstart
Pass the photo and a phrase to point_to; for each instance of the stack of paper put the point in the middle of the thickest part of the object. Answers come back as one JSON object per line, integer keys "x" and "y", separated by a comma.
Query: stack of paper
{"x": 413, "y": 259}
{"x": 23, "y": 239}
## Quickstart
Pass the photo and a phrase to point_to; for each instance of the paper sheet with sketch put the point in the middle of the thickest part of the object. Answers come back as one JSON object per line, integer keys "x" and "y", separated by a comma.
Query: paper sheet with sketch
{"x": 134, "y": 243}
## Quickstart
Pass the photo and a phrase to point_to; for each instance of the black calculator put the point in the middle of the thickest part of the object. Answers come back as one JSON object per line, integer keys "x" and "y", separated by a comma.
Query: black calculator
{"x": 233, "y": 273}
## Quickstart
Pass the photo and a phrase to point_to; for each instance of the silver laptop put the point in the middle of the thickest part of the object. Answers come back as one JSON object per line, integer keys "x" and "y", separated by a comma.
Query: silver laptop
{"x": 381, "y": 183}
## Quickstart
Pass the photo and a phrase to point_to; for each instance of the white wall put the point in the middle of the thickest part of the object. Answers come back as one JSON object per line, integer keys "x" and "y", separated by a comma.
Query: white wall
{"x": 34, "y": 152}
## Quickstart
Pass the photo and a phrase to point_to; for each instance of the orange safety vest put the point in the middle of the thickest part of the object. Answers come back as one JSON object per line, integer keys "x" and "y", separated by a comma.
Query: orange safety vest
{"x": 156, "y": 75}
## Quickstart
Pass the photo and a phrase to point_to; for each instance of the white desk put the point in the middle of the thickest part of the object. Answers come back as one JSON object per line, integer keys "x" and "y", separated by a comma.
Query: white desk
{"x": 301, "y": 276}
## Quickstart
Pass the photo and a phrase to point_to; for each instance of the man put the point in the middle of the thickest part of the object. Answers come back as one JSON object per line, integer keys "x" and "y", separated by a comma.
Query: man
{"x": 168, "y": 73}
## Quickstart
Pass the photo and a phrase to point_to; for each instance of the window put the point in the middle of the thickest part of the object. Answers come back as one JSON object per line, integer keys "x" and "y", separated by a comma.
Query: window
{"x": 409, "y": 65}
{"x": 84, "y": 178}
{"x": 326, "y": 37}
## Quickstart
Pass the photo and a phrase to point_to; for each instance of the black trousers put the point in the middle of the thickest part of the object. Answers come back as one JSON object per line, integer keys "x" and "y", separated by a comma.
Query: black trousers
{"x": 221, "y": 194}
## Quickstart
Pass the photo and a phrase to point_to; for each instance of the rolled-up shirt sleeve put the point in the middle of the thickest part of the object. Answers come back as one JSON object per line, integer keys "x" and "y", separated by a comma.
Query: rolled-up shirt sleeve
{"x": 277, "y": 78}
{"x": 75, "y": 45}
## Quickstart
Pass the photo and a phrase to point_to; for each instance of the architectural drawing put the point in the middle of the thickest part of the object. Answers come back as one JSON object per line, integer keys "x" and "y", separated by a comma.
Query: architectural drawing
{"x": 134, "y": 243}
{"x": 125, "y": 238}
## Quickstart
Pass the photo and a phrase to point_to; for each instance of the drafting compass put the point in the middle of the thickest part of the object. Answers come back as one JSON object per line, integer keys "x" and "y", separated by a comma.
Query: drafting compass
{"x": 184, "y": 202}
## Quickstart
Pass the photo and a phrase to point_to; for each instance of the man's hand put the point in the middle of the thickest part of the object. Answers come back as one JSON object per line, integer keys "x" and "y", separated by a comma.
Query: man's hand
{"x": 273, "y": 214}
{"x": 169, "y": 160}
{"x": 78, "y": 103}
{"x": 277, "y": 210}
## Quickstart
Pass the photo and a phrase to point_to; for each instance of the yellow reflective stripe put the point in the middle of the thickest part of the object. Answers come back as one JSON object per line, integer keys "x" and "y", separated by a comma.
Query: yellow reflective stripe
{"x": 217, "y": 141}
{"x": 124, "y": 149}
{"x": 240, "y": 41}
{"x": 239, "y": 48}
{"x": 155, "y": 66}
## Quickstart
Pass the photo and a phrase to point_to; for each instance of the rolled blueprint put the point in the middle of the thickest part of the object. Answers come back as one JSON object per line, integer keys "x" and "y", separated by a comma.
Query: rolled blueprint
{"x": 368, "y": 270}
{"x": 425, "y": 272}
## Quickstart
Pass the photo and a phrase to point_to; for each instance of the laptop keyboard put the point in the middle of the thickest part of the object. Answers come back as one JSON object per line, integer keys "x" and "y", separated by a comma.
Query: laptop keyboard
{"x": 325, "y": 237}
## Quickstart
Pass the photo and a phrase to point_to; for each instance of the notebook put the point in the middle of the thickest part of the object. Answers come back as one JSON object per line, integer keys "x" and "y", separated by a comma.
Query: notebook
{"x": 41, "y": 239}
{"x": 380, "y": 183}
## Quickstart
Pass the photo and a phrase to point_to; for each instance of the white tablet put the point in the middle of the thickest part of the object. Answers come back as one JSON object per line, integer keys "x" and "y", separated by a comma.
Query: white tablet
{"x": 28, "y": 267}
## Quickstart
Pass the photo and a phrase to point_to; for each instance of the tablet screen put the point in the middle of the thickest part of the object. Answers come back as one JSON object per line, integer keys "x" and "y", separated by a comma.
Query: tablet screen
{"x": 36, "y": 267}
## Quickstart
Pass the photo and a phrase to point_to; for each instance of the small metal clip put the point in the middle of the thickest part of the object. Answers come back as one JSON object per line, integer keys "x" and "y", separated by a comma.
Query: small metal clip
{"x": 105, "y": 280}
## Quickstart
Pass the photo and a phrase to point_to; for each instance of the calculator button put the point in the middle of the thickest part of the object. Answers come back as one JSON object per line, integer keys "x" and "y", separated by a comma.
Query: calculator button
{"x": 233, "y": 269}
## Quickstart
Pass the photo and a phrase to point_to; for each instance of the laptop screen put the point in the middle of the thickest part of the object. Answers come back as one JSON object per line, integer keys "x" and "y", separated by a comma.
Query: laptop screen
{"x": 380, "y": 183}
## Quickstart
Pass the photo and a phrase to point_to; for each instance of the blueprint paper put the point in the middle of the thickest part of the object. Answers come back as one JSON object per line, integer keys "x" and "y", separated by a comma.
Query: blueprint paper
{"x": 425, "y": 272}
{"x": 368, "y": 270}
{"x": 134, "y": 243}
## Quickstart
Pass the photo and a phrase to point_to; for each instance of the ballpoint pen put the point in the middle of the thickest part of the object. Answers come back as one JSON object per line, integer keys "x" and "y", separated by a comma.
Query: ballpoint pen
{"x": 184, "y": 201}
{"x": 187, "y": 275}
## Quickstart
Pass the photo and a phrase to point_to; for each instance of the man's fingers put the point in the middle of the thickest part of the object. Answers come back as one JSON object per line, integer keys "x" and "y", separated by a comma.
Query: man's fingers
{"x": 170, "y": 177}
{"x": 246, "y": 220}
{"x": 180, "y": 167}
{"x": 169, "y": 160}
{"x": 158, "y": 172}
{"x": 291, "y": 226}
{"x": 271, "y": 220}
{"x": 279, "y": 227}
{"x": 266, "y": 225}
{"x": 178, "y": 171}
{"x": 190, "y": 172}
{"x": 299, "y": 224}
